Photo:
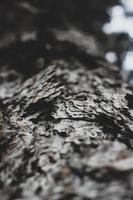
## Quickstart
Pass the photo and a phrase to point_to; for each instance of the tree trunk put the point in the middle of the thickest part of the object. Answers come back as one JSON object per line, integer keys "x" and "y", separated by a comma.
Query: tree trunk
{"x": 65, "y": 113}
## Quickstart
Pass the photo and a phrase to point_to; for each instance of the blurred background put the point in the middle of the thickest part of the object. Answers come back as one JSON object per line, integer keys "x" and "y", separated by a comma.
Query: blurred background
{"x": 121, "y": 25}
{"x": 33, "y": 33}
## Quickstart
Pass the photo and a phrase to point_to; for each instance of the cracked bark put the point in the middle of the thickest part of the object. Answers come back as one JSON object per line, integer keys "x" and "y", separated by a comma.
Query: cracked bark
{"x": 65, "y": 113}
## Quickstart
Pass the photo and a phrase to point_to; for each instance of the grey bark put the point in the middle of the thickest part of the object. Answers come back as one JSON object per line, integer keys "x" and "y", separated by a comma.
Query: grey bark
{"x": 66, "y": 118}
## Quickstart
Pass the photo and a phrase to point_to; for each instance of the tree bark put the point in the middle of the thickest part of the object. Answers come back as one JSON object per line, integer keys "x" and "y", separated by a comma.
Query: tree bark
{"x": 66, "y": 115}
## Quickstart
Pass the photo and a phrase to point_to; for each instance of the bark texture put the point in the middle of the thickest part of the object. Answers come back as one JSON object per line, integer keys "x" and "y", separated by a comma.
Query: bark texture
{"x": 66, "y": 128}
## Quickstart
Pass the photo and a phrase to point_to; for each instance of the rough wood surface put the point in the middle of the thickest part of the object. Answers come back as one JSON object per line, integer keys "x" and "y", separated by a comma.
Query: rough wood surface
{"x": 66, "y": 116}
